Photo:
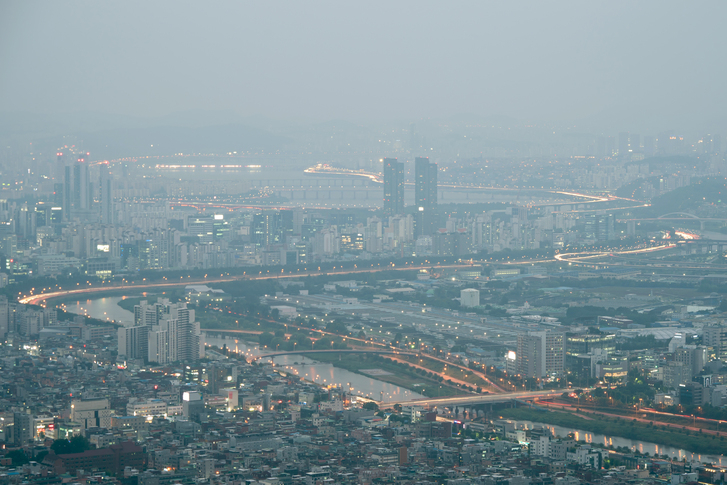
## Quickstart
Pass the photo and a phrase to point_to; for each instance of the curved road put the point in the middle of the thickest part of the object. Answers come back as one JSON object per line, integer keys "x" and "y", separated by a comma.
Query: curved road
{"x": 36, "y": 299}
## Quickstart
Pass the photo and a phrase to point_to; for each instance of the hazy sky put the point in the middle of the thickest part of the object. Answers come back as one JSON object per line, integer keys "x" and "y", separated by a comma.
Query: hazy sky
{"x": 654, "y": 62}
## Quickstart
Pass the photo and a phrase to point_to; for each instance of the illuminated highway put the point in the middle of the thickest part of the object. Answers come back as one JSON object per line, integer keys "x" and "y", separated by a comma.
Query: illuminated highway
{"x": 36, "y": 299}
{"x": 478, "y": 399}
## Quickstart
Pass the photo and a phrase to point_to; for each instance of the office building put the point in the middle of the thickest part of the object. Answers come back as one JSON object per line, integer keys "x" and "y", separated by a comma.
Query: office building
{"x": 716, "y": 337}
{"x": 693, "y": 357}
{"x": 192, "y": 404}
{"x": 541, "y": 354}
{"x": 393, "y": 186}
{"x": 91, "y": 413}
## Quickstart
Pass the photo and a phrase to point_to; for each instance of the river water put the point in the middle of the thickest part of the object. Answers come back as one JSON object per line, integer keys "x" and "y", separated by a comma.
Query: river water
{"x": 615, "y": 441}
{"x": 321, "y": 373}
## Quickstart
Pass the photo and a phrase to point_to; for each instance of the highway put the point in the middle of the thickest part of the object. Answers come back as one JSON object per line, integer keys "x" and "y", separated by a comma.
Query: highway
{"x": 38, "y": 298}
{"x": 333, "y": 351}
{"x": 477, "y": 399}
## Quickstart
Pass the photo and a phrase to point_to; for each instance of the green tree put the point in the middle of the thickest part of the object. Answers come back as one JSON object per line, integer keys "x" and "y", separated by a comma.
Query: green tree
{"x": 371, "y": 406}
{"x": 18, "y": 456}
{"x": 77, "y": 444}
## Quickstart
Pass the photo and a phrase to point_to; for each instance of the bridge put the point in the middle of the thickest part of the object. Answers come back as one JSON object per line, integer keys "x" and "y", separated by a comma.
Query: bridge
{"x": 332, "y": 351}
{"x": 471, "y": 400}
{"x": 679, "y": 216}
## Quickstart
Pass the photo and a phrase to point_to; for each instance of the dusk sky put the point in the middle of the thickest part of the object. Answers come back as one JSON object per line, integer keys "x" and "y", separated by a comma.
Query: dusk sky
{"x": 657, "y": 64}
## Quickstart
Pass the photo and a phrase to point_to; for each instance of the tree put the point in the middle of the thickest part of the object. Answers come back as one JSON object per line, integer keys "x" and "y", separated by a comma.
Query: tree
{"x": 18, "y": 456}
{"x": 371, "y": 406}
{"x": 77, "y": 444}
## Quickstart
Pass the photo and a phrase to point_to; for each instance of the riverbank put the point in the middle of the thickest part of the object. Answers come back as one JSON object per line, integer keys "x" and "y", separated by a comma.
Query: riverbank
{"x": 392, "y": 373}
{"x": 695, "y": 442}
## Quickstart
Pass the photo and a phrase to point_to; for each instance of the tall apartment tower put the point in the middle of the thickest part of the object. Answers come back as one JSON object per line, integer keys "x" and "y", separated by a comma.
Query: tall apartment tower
{"x": 177, "y": 337}
{"x": 133, "y": 342}
{"x": 146, "y": 314}
{"x": 425, "y": 195}
{"x": 541, "y": 354}
{"x": 393, "y": 186}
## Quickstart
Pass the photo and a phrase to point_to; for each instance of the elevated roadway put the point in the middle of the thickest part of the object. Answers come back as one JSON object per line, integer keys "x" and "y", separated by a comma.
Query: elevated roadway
{"x": 478, "y": 399}
{"x": 331, "y": 351}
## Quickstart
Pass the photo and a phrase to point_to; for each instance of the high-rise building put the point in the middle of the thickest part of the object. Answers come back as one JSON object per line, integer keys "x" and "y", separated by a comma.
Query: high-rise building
{"x": 4, "y": 317}
{"x": 623, "y": 144}
{"x": 133, "y": 342}
{"x": 67, "y": 192}
{"x": 146, "y": 314}
{"x": 393, "y": 186}
{"x": 541, "y": 354}
{"x": 425, "y": 195}
{"x": 693, "y": 357}
{"x": 159, "y": 346}
{"x": 106, "y": 195}
{"x": 82, "y": 194}
{"x": 22, "y": 428}
{"x": 177, "y": 337}
{"x": 425, "y": 191}
{"x": 716, "y": 337}
{"x": 192, "y": 404}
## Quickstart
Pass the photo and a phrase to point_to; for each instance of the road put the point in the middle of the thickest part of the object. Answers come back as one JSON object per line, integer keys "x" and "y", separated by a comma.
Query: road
{"x": 582, "y": 413}
{"x": 478, "y": 399}
{"x": 36, "y": 299}
{"x": 444, "y": 376}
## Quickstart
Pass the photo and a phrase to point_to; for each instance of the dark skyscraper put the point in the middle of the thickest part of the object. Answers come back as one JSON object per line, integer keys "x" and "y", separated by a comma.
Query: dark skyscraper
{"x": 425, "y": 173}
{"x": 393, "y": 186}
{"x": 425, "y": 195}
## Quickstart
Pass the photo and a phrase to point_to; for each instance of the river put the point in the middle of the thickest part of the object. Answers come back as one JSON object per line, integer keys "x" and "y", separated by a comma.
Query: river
{"x": 321, "y": 373}
{"x": 616, "y": 441}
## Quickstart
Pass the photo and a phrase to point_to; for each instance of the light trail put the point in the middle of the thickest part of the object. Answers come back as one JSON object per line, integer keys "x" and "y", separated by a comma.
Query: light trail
{"x": 567, "y": 257}
{"x": 40, "y": 297}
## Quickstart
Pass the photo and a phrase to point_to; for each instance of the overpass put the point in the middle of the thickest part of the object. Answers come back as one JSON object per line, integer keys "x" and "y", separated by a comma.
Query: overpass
{"x": 469, "y": 399}
{"x": 679, "y": 216}
{"x": 331, "y": 351}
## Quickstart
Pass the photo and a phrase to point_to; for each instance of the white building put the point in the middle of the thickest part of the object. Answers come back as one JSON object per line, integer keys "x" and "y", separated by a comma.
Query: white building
{"x": 91, "y": 413}
{"x": 541, "y": 354}
{"x": 147, "y": 407}
{"x": 469, "y": 298}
